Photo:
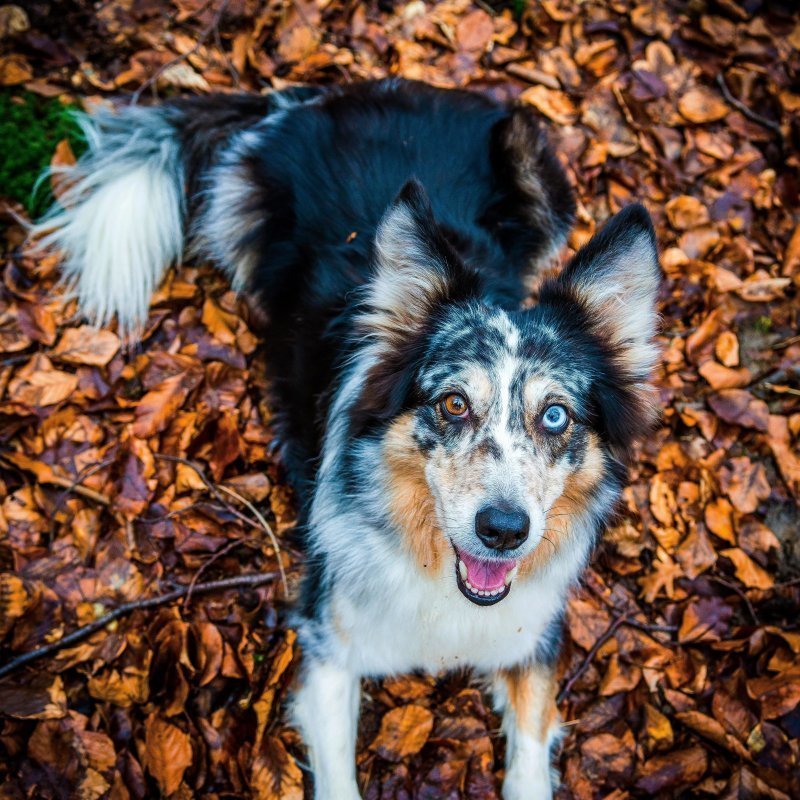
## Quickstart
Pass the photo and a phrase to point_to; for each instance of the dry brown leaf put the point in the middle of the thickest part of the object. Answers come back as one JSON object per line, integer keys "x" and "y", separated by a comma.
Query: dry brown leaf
{"x": 14, "y": 70}
{"x": 275, "y": 774}
{"x": 747, "y": 571}
{"x": 720, "y": 377}
{"x": 167, "y": 753}
{"x": 777, "y": 694}
{"x": 701, "y": 105}
{"x": 726, "y": 349}
{"x": 43, "y": 698}
{"x": 741, "y": 408}
{"x": 39, "y": 384}
{"x": 87, "y": 345}
{"x": 686, "y": 212}
{"x": 475, "y": 31}
{"x": 554, "y": 104}
{"x": 745, "y": 483}
{"x": 403, "y": 732}
{"x": 718, "y": 516}
{"x": 676, "y": 769}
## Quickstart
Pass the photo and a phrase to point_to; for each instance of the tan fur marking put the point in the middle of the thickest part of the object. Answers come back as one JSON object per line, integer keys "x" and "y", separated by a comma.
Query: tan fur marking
{"x": 411, "y": 504}
{"x": 532, "y": 698}
{"x": 571, "y": 503}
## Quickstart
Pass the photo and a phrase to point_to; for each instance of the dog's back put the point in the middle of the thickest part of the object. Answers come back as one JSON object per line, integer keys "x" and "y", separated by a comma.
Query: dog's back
{"x": 285, "y": 192}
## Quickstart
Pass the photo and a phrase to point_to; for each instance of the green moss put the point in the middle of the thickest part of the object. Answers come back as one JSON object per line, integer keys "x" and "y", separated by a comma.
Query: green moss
{"x": 30, "y": 128}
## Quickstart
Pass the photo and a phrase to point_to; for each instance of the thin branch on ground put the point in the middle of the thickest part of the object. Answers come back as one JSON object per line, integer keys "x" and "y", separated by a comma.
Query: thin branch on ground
{"x": 65, "y": 483}
{"x": 609, "y": 632}
{"x": 214, "y": 558}
{"x": 266, "y": 526}
{"x": 85, "y": 473}
{"x": 748, "y": 112}
{"x": 742, "y": 594}
{"x": 215, "y": 489}
{"x": 238, "y": 582}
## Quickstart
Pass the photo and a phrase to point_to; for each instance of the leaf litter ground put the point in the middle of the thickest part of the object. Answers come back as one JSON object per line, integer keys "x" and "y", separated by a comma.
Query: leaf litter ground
{"x": 128, "y": 474}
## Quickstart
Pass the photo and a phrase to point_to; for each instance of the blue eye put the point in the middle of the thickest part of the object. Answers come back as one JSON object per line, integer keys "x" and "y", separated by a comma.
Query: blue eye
{"x": 555, "y": 419}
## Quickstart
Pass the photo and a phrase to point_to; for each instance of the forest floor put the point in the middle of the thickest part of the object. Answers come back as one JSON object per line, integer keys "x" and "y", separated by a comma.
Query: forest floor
{"x": 128, "y": 474}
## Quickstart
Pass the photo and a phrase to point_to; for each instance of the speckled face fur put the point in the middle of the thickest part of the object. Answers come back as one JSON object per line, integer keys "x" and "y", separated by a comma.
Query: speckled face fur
{"x": 505, "y": 436}
{"x": 520, "y": 448}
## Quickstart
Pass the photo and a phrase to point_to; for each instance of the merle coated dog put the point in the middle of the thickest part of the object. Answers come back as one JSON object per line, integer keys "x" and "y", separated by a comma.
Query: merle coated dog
{"x": 456, "y": 452}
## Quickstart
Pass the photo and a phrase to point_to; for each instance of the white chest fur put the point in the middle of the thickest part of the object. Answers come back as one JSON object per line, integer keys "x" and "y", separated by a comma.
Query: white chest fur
{"x": 409, "y": 621}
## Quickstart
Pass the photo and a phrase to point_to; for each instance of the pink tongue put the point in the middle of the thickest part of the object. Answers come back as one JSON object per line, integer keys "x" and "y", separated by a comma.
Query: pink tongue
{"x": 486, "y": 575}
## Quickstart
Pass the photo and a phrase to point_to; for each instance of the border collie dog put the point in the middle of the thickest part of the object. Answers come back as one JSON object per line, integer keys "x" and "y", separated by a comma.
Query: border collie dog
{"x": 456, "y": 451}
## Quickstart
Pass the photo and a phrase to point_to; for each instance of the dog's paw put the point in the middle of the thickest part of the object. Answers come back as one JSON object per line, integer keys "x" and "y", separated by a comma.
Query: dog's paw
{"x": 528, "y": 782}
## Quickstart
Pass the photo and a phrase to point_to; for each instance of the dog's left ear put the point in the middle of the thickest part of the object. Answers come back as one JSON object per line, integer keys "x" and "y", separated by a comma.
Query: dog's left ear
{"x": 615, "y": 277}
{"x": 417, "y": 270}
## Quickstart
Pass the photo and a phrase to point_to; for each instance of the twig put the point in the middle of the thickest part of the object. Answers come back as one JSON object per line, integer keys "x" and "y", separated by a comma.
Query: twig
{"x": 66, "y": 483}
{"x": 749, "y": 113}
{"x": 215, "y": 490}
{"x": 610, "y": 631}
{"x": 733, "y": 587}
{"x": 238, "y": 582}
{"x": 266, "y": 526}
{"x": 206, "y": 564}
{"x": 181, "y": 56}
{"x": 85, "y": 473}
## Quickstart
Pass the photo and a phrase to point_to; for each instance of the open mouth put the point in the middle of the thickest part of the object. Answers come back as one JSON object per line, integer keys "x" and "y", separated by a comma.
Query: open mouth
{"x": 481, "y": 581}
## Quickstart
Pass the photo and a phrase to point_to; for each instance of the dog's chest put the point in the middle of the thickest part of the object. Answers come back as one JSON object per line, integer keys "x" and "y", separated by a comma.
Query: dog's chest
{"x": 434, "y": 627}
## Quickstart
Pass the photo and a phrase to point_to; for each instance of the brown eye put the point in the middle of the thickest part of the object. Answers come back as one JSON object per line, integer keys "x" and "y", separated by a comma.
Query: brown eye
{"x": 454, "y": 406}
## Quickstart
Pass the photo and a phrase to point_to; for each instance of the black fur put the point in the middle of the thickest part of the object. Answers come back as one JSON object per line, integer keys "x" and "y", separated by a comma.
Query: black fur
{"x": 329, "y": 169}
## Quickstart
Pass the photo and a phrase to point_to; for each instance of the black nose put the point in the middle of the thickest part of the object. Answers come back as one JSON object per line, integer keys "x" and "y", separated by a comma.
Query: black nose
{"x": 502, "y": 527}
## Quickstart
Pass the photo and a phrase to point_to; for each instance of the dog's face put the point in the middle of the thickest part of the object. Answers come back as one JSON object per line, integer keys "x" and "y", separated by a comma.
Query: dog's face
{"x": 506, "y": 428}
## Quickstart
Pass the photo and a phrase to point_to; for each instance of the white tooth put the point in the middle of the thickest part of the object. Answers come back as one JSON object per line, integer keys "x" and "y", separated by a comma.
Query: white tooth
{"x": 481, "y": 593}
{"x": 510, "y": 575}
{"x": 462, "y": 569}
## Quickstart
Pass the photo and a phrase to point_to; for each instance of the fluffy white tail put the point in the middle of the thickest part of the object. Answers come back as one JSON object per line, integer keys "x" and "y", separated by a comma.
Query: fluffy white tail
{"x": 120, "y": 223}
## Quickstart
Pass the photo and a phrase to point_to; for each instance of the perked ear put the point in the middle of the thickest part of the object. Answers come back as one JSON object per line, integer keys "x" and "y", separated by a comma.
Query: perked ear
{"x": 616, "y": 278}
{"x": 417, "y": 273}
{"x": 417, "y": 270}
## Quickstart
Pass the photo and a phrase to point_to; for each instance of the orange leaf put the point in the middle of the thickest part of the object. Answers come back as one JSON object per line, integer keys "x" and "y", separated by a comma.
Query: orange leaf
{"x": 554, "y": 104}
{"x": 403, "y": 732}
{"x": 702, "y": 105}
{"x": 167, "y": 753}
{"x": 87, "y": 345}
{"x": 747, "y": 571}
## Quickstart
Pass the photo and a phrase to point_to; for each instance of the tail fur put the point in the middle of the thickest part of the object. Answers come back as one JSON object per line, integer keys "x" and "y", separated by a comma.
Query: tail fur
{"x": 126, "y": 212}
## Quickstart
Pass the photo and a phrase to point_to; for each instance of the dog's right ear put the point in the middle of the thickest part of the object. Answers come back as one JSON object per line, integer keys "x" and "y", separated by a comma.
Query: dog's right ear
{"x": 417, "y": 270}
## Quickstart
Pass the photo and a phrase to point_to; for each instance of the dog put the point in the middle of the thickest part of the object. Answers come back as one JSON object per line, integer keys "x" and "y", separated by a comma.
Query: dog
{"x": 456, "y": 452}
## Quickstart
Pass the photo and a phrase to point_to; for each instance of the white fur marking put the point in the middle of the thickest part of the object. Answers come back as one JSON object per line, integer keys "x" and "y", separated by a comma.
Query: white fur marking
{"x": 121, "y": 221}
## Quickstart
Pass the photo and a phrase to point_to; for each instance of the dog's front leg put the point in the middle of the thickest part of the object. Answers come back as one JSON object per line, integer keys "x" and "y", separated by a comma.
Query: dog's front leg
{"x": 326, "y": 711}
{"x": 526, "y": 695}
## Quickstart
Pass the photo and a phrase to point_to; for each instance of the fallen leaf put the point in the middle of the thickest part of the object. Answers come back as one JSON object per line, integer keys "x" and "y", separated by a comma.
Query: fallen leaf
{"x": 747, "y": 571}
{"x": 87, "y": 345}
{"x": 745, "y": 484}
{"x": 404, "y": 731}
{"x": 726, "y": 348}
{"x": 701, "y": 105}
{"x": 676, "y": 769}
{"x": 167, "y": 753}
{"x": 740, "y": 408}
{"x": 718, "y": 515}
{"x": 554, "y": 104}
{"x": 686, "y": 212}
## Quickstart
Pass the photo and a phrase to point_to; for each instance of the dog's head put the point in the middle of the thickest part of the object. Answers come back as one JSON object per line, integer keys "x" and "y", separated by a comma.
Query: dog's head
{"x": 503, "y": 432}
